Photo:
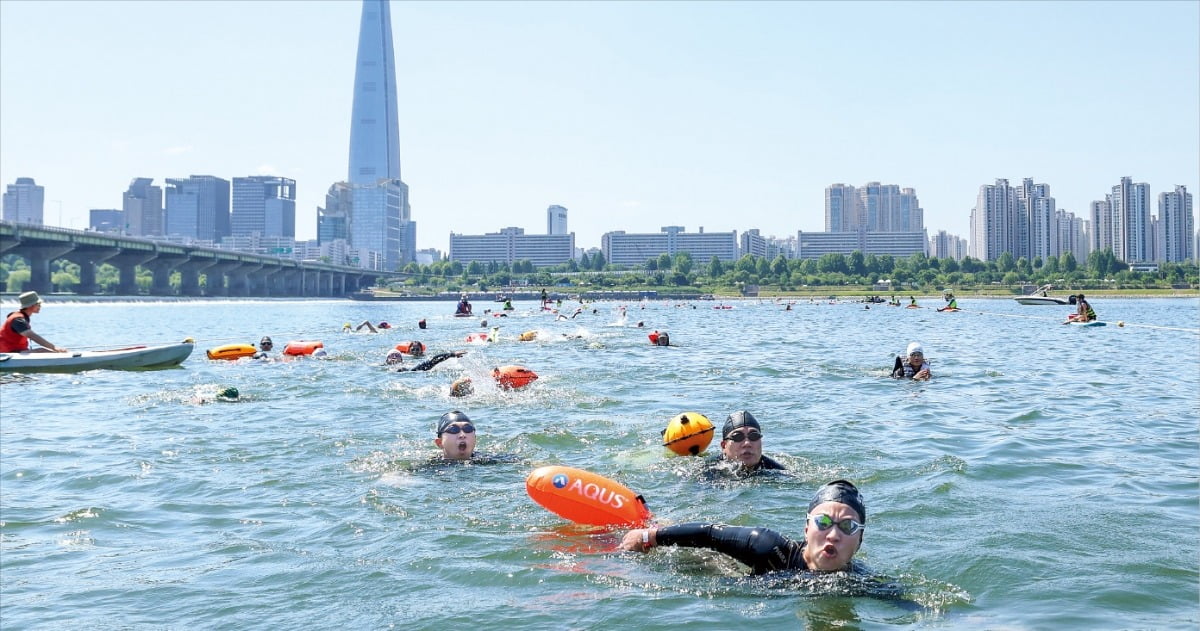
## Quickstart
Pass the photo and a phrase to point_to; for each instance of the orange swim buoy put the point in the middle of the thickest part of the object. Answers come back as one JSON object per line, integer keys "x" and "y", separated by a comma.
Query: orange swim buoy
{"x": 584, "y": 497}
{"x": 302, "y": 347}
{"x": 479, "y": 337}
{"x": 513, "y": 377}
{"x": 231, "y": 351}
{"x": 412, "y": 348}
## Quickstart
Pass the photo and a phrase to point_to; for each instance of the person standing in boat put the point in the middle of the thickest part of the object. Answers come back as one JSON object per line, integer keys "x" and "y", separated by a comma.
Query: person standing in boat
{"x": 17, "y": 329}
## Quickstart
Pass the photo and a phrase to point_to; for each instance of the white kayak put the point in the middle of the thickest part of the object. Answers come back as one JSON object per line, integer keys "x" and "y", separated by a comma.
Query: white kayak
{"x": 131, "y": 358}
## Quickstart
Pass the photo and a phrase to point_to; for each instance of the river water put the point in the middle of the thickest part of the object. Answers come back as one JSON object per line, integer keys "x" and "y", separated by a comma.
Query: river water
{"x": 1047, "y": 477}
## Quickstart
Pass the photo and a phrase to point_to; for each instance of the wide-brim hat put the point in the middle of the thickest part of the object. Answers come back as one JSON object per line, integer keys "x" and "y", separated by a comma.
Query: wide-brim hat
{"x": 30, "y": 298}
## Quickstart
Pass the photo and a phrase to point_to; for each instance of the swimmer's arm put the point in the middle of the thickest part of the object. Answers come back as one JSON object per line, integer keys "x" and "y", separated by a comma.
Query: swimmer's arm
{"x": 762, "y": 549}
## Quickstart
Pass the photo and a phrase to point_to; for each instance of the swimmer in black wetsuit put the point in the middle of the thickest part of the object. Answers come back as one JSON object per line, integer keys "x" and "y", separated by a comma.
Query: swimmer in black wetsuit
{"x": 741, "y": 445}
{"x": 432, "y": 361}
{"x": 833, "y": 533}
{"x": 456, "y": 438}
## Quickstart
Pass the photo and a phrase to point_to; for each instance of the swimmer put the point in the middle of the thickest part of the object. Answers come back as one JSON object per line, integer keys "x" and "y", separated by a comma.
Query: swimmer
{"x": 455, "y": 436}
{"x": 367, "y": 324}
{"x": 428, "y": 364}
{"x": 833, "y": 534}
{"x": 462, "y": 387}
{"x": 913, "y": 366}
{"x": 741, "y": 445}
{"x": 421, "y": 323}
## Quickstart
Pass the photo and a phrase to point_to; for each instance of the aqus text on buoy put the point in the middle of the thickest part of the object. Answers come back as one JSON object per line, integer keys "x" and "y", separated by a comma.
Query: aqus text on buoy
{"x": 584, "y": 497}
{"x": 513, "y": 377}
{"x": 688, "y": 434}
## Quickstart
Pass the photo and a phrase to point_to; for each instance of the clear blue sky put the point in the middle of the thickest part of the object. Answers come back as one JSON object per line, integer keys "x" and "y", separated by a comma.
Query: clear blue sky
{"x": 633, "y": 115}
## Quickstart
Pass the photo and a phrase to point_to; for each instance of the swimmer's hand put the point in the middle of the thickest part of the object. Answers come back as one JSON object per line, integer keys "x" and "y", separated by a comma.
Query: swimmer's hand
{"x": 639, "y": 539}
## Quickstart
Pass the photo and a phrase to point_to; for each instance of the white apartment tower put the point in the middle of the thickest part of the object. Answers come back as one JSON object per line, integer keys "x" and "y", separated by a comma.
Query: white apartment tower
{"x": 1176, "y": 225}
{"x": 994, "y": 221}
{"x": 556, "y": 220}
{"x": 1127, "y": 221}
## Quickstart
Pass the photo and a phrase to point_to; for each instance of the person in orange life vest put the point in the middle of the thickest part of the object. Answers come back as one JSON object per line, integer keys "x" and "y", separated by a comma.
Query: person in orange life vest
{"x": 17, "y": 329}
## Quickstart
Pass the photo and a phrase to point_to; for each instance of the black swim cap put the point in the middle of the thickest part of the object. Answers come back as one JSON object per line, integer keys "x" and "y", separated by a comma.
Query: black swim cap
{"x": 450, "y": 418}
{"x": 739, "y": 419}
{"x": 843, "y": 492}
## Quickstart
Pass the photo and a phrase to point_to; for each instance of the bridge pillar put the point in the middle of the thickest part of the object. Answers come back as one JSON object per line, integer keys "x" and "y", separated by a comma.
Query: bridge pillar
{"x": 216, "y": 278}
{"x": 126, "y": 263}
{"x": 161, "y": 268}
{"x": 87, "y": 260}
{"x": 39, "y": 265}
{"x": 290, "y": 282}
{"x": 262, "y": 280}
{"x": 240, "y": 282}
{"x": 189, "y": 275}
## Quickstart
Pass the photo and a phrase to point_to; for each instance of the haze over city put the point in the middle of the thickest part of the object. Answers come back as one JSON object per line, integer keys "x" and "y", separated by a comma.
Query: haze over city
{"x": 632, "y": 115}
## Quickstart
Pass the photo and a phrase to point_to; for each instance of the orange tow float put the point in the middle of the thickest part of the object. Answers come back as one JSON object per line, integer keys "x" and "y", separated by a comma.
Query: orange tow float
{"x": 584, "y": 497}
{"x": 302, "y": 347}
{"x": 513, "y": 377}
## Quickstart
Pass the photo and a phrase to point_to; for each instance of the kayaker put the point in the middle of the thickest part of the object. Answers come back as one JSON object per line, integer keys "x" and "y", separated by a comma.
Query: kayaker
{"x": 833, "y": 533}
{"x": 913, "y": 366}
{"x": 18, "y": 330}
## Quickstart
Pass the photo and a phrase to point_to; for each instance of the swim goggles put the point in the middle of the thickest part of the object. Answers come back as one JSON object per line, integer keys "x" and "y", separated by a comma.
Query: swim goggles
{"x": 454, "y": 429}
{"x": 738, "y": 437}
{"x": 825, "y": 522}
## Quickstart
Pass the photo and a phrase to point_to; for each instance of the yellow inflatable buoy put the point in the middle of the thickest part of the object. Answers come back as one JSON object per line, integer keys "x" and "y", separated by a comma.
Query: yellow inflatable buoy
{"x": 528, "y": 336}
{"x": 688, "y": 434}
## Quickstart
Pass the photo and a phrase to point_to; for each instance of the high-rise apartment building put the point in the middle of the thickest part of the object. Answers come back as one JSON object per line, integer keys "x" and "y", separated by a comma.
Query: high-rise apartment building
{"x": 620, "y": 248}
{"x": 841, "y": 208}
{"x": 947, "y": 246}
{"x": 264, "y": 205}
{"x": 198, "y": 208}
{"x": 994, "y": 221}
{"x": 1123, "y": 222}
{"x": 1037, "y": 223}
{"x": 24, "y": 201}
{"x": 1072, "y": 235}
{"x": 873, "y": 207}
{"x": 556, "y": 220}
{"x": 142, "y": 204}
{"x": 1176, "y": 225}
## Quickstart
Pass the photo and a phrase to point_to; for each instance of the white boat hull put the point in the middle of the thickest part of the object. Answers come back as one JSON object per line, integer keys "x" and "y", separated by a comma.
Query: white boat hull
{"x": 1041, "y": 300}
{"x": 134, "y": 358}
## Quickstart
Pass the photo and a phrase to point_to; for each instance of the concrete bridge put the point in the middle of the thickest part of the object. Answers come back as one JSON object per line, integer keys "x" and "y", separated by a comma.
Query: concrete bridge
{"x": 227, "y": 273}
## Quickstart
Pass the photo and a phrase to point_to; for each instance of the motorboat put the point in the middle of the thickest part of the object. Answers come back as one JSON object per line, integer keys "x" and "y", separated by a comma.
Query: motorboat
{"x": 1042, "y": 297}
{"x": 129, "y": 358}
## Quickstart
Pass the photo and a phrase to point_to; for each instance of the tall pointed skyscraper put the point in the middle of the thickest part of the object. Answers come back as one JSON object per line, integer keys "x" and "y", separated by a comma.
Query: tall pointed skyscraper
{"x": 371, "y": 208}
{"x": 374, "y": 125}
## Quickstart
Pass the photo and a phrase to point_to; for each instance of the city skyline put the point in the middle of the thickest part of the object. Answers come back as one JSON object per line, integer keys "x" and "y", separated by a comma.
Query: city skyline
{"x": 679, "y": 119}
